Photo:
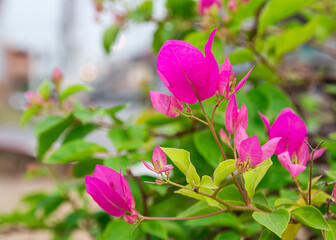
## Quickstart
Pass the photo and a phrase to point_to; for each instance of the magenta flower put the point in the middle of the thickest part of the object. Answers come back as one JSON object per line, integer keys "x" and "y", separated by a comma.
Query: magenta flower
{"x": 165, "y": 104}
{"x": 235, "y": 117}
{"x": 205, "y": 5}
{"x": 112, "y": 193}
{"x": 159, "y": 161}
{"x": 226, "y": 80}
{"x": 186, "y": 73}
{"x": 334, "y": 191}
{"x": 33, "y": 99}
{"x": 223, "y": 136}
{"x": 249, "y": 150}
{"x": 296, "y": 163}
{"x": 290, "y": 128}
{"x": 57, "y": 75}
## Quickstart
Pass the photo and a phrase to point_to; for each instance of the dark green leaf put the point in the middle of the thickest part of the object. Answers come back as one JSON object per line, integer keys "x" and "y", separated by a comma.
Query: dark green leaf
{"x": 155, "y": 228}
{"x": 80, "y": 132}
{"x": 85, "y": 167}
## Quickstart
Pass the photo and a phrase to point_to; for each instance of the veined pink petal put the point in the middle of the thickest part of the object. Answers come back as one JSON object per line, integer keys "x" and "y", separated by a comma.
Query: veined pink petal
{"x": 180, "y": 66}
{"x": 250, "y": 149}
{"x": 212, "y": 66}
{"x": 163, "y": 103}
{"x": 127, "y": 192}
{"x": 265, "y": 121}
{"x": 291, "y": 129}
{"x": 334, "y": 191}
{"x": 175, "y": 103}
{"x": 240, "y": 136}
{"x": 296, "y": 169}
{"x": 242, "y": 82}
{"x": 148, "y": 166}
{"x": 112, "y": 178}
{"x": 159, "y": 155}
{"x": 231, "y": 114}
{"x": 166, "y": 168}
{"x": 269, "y": 148}
{"x": 224, "y": 76}
{"x": 105, "y": 196}
{"x": 242, "y": 118}
{"x": 302, "y": 152}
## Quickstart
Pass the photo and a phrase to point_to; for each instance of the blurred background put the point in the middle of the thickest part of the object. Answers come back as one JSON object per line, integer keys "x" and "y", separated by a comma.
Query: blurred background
{"x": 112, "y": 46}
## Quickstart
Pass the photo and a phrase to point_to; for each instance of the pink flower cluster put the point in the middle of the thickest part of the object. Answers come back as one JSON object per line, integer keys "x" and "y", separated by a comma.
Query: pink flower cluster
{"x": 191, "y": 76}
{"x": 292, "y": 151}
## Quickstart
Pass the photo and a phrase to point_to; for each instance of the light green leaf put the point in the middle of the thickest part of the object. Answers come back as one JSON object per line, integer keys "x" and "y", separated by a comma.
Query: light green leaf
{"x": 48, "y": 130}
{"x": 74, "y": 151}
{"x": 73, "y": 89}
{"x": 223, "y": 170}
{"x": 292, "y": 38}
{"x": 311, "y": 217}
{"x": 291, "y": 231}
{"x": 276, "y": 221}
{"x": 180, "y": 158}
{"x": 195, "y": 209}
{"x": 276, "y": 10}
{"x": 192, "y": 176}
{"x": 318, "y": 199}
{"x": 28, "y": 113}
{"x": 122, "y": 140}
{"x": 253, "y": 177}
{"x": 206, "y": 182}
{"x": 109, "y": 37}
{"x": 44, "y": 89}
{"x": 284, "y": 201}
{"x": 117, "y": 163}
{"x": 331, "y": 174}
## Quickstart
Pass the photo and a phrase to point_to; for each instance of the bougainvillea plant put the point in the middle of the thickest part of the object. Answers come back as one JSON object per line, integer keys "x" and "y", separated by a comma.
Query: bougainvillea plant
{"x": 192, "y": 78}
{"x": 214, "y": 173}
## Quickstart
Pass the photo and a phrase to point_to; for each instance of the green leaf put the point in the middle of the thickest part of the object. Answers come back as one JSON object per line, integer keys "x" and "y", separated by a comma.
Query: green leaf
{"x": 331, "y": 235}
{"x": 155, "y": 228}
{"x": 142, "y": 12}
{"x": 331, "y": 174}
{"x": 28, "y": 113}
{"x": 119, "y": 230}
{"x": 318, "y": 199}
{"x": 80, "y": 132}
{"x": 109, "y": 37}
{"x": 206, "y": 182}
{"x": 276, "y": 10}
{"x": 180, "y": 158}
{"x": 260, "y": 201}
{"x": 268, "y": 235}
{"x": 253, "y": 177}
{"x": 221, "y": 220}
{"x": 192, "y": 176}
{"x": 44, "y": 89}
{"x": 195, "y": 209}
{"x": 275, "y": 221}
{"x": 231, "y": 194}
{"x": 122, "y": 140}
{"x": 73, "y": 89}
{"x": 178, "y": 8}
{"x": 207, "y": 147}
{"x": 311, "y": 217}
{"x": 74, "y": 151}
{"x": 223, "y": 170}
{"x": 284, "y": 201}
{"x": 228, "y": 235}
{"x": 241, "y": 55}
{"x": 117, "y": 163}
{"x": 85, "y": 167}
{"x": 48, "y": 130}
{"x": 292, "y": 38}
